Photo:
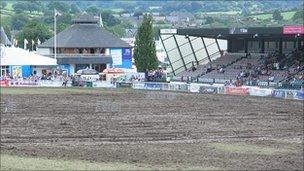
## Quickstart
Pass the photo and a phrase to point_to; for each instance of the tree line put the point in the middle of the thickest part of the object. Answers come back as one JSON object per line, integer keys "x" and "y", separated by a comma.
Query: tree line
{"x": 33, "y": 20}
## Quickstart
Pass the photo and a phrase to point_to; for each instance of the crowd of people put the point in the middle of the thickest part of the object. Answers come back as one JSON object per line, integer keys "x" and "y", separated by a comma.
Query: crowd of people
{"x": 272, "y": 67}
{"x": 155, "y": 75}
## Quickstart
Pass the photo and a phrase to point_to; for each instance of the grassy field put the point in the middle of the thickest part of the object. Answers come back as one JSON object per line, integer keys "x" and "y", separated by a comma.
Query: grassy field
{"x": 223, "y": 12}
{"x": 243, "y": 148}
{"x": 286, "y": 15}
{"x": 10, "y": 162}
{"x": 13, "y": 162}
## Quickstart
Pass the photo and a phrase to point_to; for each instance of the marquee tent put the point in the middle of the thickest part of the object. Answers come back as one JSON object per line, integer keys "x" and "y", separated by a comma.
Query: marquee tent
{"x": 11, "y": 56}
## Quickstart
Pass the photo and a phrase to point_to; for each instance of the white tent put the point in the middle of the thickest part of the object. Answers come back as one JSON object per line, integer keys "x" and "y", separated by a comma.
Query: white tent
{"x": 12, "y": 56}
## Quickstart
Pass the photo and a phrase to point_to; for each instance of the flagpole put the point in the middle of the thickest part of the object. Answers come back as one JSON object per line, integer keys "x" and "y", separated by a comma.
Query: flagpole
{"x": 55, "y": 37}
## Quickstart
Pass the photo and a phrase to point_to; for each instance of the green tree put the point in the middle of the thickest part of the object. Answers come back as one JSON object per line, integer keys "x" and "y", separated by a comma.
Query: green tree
{"x": 120, "y": 29}
{"x": 59, "y": 5}
{"x": 277, "y": 15}
{"x": 18, "y": 21}
{"x": 75, "y": 8}
{"x": 144, "y": 50}
{"x": 20, "y": 7}
{"x": 298, "y": 15}
{"x": 209, "y": 20}
{"x": 3, "y": 4}
{"x": 109, "y": 19}
{"x": 137, "y": 14}
{"x": 34, "y": 31}
{"x": 93, "y": 10}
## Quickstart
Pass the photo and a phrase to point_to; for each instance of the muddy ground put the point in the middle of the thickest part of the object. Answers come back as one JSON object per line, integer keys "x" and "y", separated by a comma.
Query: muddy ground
{"x": 156, "y": 128}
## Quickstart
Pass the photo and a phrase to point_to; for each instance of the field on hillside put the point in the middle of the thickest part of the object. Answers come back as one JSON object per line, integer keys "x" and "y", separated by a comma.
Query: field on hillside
{"x": 78, "y": 128}
{"x": 286, "y": 15}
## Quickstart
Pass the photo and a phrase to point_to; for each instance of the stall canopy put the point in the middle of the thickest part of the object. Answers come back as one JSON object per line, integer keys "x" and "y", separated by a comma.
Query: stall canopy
{"x": 113, "y": 71}
{"x": 87, "y": 71}
{"x": 12, "y": 56}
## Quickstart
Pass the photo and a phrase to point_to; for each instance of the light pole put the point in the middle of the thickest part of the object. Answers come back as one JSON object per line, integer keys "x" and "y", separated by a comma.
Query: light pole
{"x": 56, "y": 13}
{"x": 298, "y": 41}
{"x": 55, "y": 37}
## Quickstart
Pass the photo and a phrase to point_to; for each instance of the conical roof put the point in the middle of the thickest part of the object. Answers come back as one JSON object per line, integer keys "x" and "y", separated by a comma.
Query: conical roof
{"x": 4, "y": 38}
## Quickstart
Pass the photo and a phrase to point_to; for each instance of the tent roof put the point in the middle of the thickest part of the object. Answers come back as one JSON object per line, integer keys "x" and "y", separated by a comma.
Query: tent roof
{"x": 113, "y": 71}
{"x": 4, "y": 38}
{"x": 17, "y": 56}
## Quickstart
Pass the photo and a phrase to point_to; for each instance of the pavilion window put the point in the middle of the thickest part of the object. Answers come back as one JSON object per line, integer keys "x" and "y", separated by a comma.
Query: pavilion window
{"x": 92, "y": 50}
{"x": 103, "y": 51}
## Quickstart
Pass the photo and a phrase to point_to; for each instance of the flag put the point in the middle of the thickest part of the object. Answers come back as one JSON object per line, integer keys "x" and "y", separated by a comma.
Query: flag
{"x": 38, "y": 42}
{"x": 100, "y": 21}
{"x": 25, "y": 42}
{"x": 57, "y": 13}
{"x": 15, "y": 42}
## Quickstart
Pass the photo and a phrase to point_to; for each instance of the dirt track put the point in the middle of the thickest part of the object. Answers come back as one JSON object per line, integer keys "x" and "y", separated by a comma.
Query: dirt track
{"x": 154, "y": 128}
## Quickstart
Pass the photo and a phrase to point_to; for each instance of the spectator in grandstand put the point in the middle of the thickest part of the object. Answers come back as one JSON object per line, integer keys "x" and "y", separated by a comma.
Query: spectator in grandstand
{"x": 182, "y": 78}
{"x": 271, "y": 78}
{"x": 229, "y": 83}
{"x": 237, "y": 82}
{"x": 146, "y": 73}
{"x": 221, "y": 70}
{"x": 209, "y": 68}
{"x": 242, "y": 74}
{"x": 193, "y": 68}
{"x": 155, "y": 75}
{"x": 248, "y": 55}
{"x": 248, "y": 66}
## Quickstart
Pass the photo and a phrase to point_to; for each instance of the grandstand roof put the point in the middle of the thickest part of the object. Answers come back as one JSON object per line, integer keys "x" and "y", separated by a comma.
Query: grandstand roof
{"x": 242, "y": 32}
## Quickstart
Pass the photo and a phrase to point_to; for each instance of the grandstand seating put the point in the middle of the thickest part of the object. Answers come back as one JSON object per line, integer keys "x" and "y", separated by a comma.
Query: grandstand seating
{"x": 236, "y": 63}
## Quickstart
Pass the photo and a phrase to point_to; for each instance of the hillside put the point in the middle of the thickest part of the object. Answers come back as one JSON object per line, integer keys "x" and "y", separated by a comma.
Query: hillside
{"x": 21, "y": 17}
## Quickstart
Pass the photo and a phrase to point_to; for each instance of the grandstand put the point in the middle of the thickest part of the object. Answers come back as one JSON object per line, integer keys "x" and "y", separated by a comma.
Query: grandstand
{"x": 251, "y": 56}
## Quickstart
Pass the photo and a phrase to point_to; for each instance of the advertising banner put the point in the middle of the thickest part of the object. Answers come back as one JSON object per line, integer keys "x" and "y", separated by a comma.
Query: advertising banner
{"x": 165, "y": 87}
{"x": 116, "y": 56}
{"x": 208, "y": 90}
{"x": 256, "y": 91}
{"x": 4, "y": 83}
{"x": 152, "y": 86}
{"x": 289, "y": 94}
{"x": 293, "y": 29}
{"x": 123, "y": 84}
{"x": 177, "y": 86}
{"x": 48, "y": 83}
{"x": 24, "y": 83}
{"x": 102, "y": 84}
{"x": 221, "y": 90}
{"x": 238, "y": 30}
{"x": 17, "y": 71}
{"x": 243, "y": 91}
{"x": 299, "y": 95}
{"x": 279, "y": 93}
{"x": 194, "y": 88}
{"x": 138, "y": 85}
